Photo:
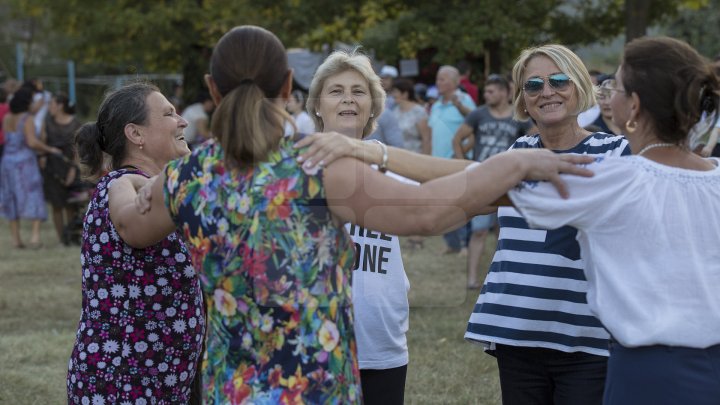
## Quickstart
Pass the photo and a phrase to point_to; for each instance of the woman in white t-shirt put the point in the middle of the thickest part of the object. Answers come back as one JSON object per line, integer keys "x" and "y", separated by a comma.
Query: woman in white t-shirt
{"x": 648, "y": 226}
{"x": 379, "y": 284}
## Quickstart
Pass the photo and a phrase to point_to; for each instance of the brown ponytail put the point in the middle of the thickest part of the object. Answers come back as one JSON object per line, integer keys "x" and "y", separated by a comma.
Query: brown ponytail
{"x": 249, "y": 67}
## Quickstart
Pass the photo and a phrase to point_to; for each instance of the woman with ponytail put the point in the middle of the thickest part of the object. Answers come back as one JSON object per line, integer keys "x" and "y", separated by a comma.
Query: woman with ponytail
{"x": 142, "y": 323}
{"x": 267, "y": 237}
{"x": 648, "y": 229}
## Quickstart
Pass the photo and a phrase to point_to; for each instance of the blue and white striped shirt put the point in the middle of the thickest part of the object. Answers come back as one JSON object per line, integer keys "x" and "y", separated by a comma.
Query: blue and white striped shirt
{"x": 535, "y": 291}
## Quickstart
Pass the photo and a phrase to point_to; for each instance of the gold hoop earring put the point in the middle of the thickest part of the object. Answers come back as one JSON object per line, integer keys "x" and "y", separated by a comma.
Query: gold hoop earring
{"x": 631, "y": 126}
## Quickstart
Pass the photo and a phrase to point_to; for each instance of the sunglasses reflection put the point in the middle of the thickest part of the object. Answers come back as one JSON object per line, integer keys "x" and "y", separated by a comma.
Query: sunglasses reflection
{"x": 535, "y": 85}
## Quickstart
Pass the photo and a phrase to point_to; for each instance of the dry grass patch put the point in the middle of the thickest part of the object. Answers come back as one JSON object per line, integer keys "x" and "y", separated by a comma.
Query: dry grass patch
{"x": 40, "y": 308}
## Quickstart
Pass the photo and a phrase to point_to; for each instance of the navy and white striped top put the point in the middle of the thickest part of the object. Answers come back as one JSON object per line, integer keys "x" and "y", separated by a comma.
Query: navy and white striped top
{"x": 534, "y": 293}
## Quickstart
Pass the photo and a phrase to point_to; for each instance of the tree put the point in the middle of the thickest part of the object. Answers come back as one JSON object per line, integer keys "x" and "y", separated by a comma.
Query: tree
{"x": 129, "y": 36}
{"x": 698, "y": 26}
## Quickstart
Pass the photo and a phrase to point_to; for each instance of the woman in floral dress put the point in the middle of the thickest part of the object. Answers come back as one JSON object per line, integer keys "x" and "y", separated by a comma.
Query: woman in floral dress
{"x": 142, "y": 323}
{"x": 267, "y": 237}
{"x": 21, "y": 192}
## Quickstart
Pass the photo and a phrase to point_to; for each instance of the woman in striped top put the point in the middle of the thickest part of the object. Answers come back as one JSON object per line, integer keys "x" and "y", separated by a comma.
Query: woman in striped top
{"x": 532, "y": 312}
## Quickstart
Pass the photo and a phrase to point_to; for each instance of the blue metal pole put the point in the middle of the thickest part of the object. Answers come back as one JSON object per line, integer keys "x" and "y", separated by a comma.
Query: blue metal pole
{"x": 71, "y": 81}
{"x": 19, "y": 62}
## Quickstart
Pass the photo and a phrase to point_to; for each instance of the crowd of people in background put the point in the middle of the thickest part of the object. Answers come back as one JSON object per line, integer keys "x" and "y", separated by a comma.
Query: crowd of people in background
{"x": 198, "y": 241}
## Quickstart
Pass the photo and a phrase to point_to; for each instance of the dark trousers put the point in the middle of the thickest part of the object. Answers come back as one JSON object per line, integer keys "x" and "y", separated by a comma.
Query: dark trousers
{"x": 663, "y": 375}
{"x": 383, "y": 387}
{"x": 458, "y": 238}
{"x": 537, "y": 376}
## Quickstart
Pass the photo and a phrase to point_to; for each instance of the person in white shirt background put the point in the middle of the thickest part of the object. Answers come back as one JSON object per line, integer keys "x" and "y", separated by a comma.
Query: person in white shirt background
{"x": 197, "y": 116}
{"x": 296, "y": 108}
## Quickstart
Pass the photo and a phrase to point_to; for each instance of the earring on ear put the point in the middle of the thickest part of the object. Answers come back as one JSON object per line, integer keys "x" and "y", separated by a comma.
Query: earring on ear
{"x": 631, "y": 126}
{"x": 141, "y": 146}
{"x": 372, "y": 115}
{"x": 317, "y": 113}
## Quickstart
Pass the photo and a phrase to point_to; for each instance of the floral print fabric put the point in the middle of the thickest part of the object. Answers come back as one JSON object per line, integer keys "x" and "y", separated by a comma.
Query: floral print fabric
{"x": 142, "y": 324}
{"x": 275, "y": 271}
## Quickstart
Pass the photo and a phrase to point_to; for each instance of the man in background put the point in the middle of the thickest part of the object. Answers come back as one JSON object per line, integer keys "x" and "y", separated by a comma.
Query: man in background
{"x": 465, "y": 83}
{"x": 487, "y": 131}
{"x": 446, "y": 116}
{"x": 198, "y": 117}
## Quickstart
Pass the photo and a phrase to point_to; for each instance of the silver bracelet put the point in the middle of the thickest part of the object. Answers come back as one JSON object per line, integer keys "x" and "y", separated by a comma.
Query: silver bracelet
{"x": 383, "y": 163}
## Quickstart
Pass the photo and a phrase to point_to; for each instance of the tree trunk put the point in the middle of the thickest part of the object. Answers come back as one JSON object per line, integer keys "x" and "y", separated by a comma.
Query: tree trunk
{"x": 636, "y": 18}
{"x": 196, "y": 65}
{"x": 493, "y": 57}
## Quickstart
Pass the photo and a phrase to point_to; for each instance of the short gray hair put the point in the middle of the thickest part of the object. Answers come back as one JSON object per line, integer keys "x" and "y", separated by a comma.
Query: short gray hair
{"x": 454, "y": 73}
{"x": 338, "y": 62}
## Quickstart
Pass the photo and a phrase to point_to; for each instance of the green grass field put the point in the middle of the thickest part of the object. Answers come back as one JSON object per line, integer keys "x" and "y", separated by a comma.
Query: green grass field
{"x": 40, "y": 308}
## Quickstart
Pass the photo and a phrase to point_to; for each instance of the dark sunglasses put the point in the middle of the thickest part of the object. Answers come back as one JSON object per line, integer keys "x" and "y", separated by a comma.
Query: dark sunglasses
{"x": 534, "y": 85}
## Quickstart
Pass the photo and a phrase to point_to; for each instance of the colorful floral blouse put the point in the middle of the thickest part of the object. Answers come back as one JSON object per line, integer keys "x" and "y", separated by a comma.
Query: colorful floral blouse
{"x": 275, "y": 270}
{"x": 142, "y": 324}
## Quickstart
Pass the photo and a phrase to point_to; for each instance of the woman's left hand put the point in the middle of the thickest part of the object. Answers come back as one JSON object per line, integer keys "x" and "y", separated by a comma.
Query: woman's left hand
{"x": 542, "y": 164}
{"x": 143, "y": 200}
{"x": 326, "y": 147}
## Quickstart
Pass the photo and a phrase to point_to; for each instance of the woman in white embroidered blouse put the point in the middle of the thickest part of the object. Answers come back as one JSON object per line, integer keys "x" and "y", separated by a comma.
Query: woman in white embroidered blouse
{"x": 648, "y": 228}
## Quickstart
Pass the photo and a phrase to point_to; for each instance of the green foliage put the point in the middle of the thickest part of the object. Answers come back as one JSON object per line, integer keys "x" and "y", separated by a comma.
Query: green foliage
{"x": 128, "y": 36}
{"x": 699, "y": 26}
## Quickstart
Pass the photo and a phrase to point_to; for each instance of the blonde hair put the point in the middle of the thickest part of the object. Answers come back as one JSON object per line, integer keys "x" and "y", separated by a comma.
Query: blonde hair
{"x": 339, "y": 62}
{"x": 567, "y": 62}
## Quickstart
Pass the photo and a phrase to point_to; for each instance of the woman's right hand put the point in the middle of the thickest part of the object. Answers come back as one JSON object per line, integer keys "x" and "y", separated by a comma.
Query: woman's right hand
{"x": 542, "y": 164}
{"x": 326, "y": 147}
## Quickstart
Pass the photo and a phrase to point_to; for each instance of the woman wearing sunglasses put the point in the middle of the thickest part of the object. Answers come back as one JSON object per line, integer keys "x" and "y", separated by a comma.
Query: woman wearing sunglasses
{"x": 532, "y": 313}
{"x": 648, "y": 227}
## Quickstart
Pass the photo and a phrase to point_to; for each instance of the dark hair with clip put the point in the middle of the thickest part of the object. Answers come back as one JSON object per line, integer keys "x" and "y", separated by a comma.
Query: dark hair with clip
{"x": 674, "y": 82}
{"x": 126, "y": 105}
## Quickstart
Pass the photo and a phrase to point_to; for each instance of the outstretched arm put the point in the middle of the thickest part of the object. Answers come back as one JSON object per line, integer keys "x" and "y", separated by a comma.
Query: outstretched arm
{"x": 136, "y": 229}
{"x": 327, "y": 147}
{"x": 360, "y": 195}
